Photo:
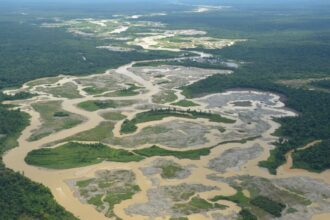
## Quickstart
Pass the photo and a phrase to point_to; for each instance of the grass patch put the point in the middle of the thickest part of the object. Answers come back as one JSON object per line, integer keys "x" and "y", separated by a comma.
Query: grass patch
{"x": 130, "y": 91}
{"x": 99, "y": 133}
{"x": 179, "y": 218}
{"x": 164, "y": 97}
{"x": 73, "y": 154}
{"x": 54, "y": 119}
{"x": 94, "y": 90}
{"x": 185, "y": 103}
{"x": 113, "y": 116}
{"x": 84, "y": 183}
{"x": 96, "y": 200}
{"x": 43, "y": 81}
{"x": 239, "y": 198}
{"x": 116, "y": 198}
{"x": 170, "y": 171}
{"x": 97, "y": 105}
{"x": 129, "y": 126}
{"x": 67, "y": 90}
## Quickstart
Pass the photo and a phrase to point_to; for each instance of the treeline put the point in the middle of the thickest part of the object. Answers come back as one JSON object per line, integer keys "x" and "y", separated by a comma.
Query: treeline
{"x": 20, "y": 198}
{"x": 11, "y": 122}
{"x": 17, "y": 96}
{"x": 317, "y": 157}
{"x": 322, "y": 84}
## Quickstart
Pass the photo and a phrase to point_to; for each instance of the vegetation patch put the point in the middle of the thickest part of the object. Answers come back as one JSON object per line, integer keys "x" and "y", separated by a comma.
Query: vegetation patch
{"x": 68, "y": 90}
{"x": 196, "y": 205}
{"x": 94, "y": 90}
{"x": 238, "y": 198}
{"x": 61, "y": 114}
{"x": 108, "y": 189}
{"x": 99, "y": 133}
{"x": 315, "y": 158}
{"x": 73, "y": 154}
{"x": 170, "y": 171}
{"x": 157, "y": 151}
{"x": 43, "y": 81}
{"x": 185, "y": 103}
{"x": 130, "y": 91}
{"x": 245, "y": 214}
{"x": 17, "y": 96}
{"x": 129, "y": 126}
{"x": 53, "y": 119}
{"x": 268, "y": 205}
{"x": 262, "y": 202}
{"x": 164, "y": 97}
{"x": 324, "y": 84}
{"x": 113, "y": 116}
{"x": 98, "y": 104}
{"x": 266, "y": 198}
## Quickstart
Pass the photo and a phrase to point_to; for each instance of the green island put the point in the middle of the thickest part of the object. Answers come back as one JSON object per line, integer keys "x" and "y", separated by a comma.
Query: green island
{"x": 75, "y": 154}
{"x": 92, "y": 106}
{"x": 129, "y": 126}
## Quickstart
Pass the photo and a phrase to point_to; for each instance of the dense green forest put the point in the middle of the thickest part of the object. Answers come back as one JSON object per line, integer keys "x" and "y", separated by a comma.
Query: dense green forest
{"x": 317, "y": 157}
{"x": 20, "y": 198}
{"x": 322, "y": 84}
{"x": 270, "y": 206}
